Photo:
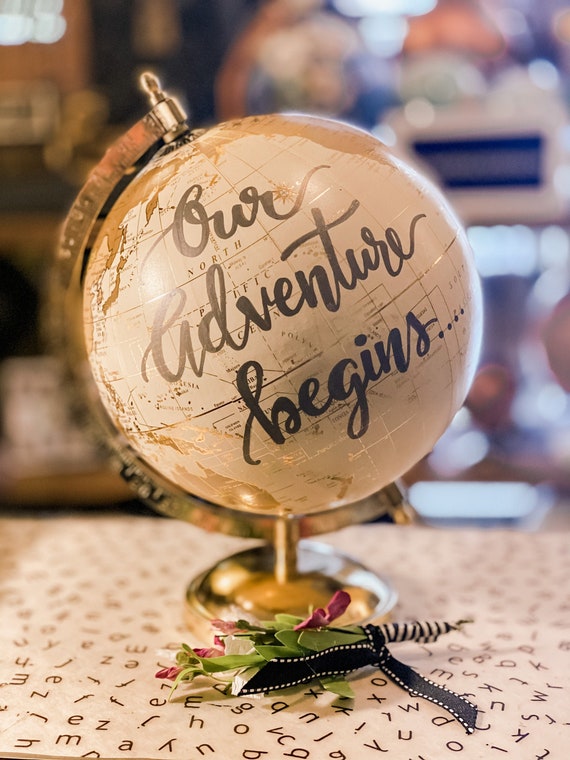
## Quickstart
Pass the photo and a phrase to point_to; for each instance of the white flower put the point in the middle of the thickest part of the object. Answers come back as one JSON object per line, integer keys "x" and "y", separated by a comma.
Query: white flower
{"x": 237, "y": 645}
{"x": 240, "y": 680}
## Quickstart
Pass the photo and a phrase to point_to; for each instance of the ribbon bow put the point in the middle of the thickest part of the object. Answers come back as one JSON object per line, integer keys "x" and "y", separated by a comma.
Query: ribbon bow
{"x": 289, "y": 651}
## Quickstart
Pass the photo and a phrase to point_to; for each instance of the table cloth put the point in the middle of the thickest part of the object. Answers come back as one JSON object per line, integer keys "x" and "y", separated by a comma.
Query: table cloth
{"x": 92, "y": 606}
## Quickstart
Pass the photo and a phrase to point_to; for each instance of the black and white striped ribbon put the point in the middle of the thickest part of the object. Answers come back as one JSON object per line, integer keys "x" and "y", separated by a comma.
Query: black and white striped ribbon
{"x": 424, "y": 631}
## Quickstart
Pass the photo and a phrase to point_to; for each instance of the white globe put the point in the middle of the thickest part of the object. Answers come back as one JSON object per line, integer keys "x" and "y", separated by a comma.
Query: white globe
{"x": 280, "y": 316}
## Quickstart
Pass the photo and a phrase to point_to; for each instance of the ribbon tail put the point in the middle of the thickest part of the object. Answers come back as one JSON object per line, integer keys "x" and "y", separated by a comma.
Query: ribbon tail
{"x": 418, "y": 686}
{"x": 421, "y": 631}
{"x": 461, "y": 709}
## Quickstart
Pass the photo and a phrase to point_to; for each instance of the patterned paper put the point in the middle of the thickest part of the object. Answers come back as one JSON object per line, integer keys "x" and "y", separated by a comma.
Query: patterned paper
{"x": 92, "y": 606}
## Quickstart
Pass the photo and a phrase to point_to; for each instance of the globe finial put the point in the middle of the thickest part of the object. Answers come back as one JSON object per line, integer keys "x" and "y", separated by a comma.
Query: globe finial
{"x": 166, "y": 110}
{"x": 151, "y": 85}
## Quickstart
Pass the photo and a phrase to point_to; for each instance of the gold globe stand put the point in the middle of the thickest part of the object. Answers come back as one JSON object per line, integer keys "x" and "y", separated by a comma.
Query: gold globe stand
{"x": 292, "y": 575}
{"x": 286, "y": 573}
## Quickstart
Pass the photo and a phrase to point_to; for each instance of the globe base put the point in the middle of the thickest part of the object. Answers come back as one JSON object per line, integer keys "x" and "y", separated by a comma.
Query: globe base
{"x": 251, "y": 584}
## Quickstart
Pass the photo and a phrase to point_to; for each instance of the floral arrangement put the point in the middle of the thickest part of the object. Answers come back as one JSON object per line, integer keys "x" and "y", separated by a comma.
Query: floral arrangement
{"x": 257, "y": 658}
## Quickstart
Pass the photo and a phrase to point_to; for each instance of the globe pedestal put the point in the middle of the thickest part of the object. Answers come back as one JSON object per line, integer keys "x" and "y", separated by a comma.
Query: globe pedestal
{"x": 289, "y": 576}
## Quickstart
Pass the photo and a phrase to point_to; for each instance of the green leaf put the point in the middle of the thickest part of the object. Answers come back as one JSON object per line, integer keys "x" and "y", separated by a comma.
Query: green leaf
{"x": 282, "y": 620}
{"x": 317, "y": 639}
{"x": 270, "y": 652}
{"x": 230, "y": 662}
{"x": 290, "y": 639}
{"x": 337, "y": 685}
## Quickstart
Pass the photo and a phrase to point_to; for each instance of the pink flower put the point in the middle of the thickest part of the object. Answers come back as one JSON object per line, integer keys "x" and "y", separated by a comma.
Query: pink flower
{"x": 319, "y": 617}
{"x": 225, "y": 626}
{"x": 170, "y": 674}
{"x": 208, "y": 652}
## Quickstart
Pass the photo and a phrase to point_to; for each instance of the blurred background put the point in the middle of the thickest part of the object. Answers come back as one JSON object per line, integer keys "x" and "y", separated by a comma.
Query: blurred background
{"x": 476, "y": 93}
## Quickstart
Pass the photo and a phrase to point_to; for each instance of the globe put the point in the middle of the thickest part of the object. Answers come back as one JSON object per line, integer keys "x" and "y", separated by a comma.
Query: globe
{"x": 280, "y": 316}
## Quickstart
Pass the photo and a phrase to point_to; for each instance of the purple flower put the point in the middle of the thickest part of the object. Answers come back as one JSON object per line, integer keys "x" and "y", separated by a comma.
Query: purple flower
{"x": 170, "y": 674}
{"x": 319, "y": 617}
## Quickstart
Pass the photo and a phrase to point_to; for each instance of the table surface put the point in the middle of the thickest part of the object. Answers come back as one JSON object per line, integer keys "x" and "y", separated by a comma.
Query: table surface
{"x": 92, "y": 605}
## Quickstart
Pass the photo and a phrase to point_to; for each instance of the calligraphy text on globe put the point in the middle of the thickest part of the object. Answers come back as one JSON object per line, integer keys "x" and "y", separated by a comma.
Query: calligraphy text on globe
{"x": 319, "y": 287}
